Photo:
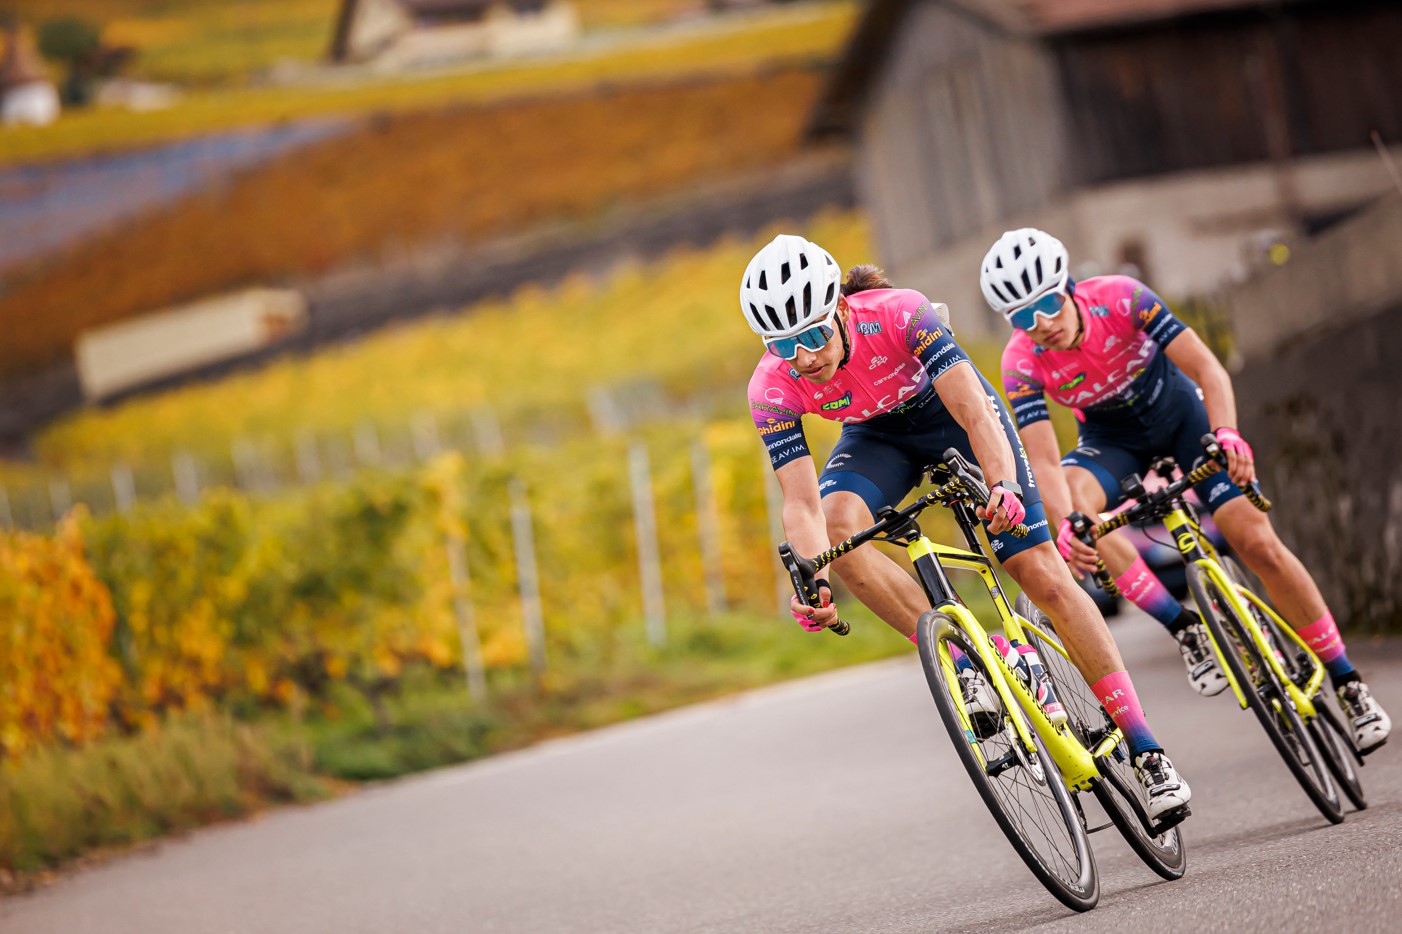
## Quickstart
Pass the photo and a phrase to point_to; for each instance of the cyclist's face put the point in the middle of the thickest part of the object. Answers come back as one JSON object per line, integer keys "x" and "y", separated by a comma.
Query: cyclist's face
{"x": 1059, "y": 331}
{"x": 819, "y": 366}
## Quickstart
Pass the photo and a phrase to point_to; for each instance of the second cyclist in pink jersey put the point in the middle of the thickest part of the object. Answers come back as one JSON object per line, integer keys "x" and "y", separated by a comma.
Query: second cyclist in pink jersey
{"x": 885, "y": 364}
{"x": 1143, "y": 386}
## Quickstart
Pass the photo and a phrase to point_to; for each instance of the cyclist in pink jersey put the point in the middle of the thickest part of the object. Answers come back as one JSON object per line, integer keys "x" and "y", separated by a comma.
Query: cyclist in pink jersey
{"x": 885, "y": 364}
{"x": 1144, "y": 385}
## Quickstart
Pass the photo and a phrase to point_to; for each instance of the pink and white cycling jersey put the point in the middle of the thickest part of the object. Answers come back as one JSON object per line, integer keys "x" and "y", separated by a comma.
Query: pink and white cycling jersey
{"x": 899, "y": 346}
{"x": 1116, "y": 368}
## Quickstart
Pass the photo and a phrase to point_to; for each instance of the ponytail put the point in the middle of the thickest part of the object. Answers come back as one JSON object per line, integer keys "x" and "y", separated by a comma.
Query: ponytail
{"x": 864, "y": 277}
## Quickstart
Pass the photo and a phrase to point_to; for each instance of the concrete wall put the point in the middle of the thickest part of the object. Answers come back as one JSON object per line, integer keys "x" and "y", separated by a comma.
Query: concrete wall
{"x": 1193, "y": 233}
{"x": 1320, "y": 397}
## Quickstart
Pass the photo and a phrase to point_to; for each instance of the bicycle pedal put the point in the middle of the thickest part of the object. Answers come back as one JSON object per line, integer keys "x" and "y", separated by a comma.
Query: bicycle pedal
{"x": 1170, "y": 819}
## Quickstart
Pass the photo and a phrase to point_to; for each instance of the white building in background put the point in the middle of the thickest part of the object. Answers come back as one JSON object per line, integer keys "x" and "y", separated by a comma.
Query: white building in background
{"x": 27, "y": 96}
{"x": 394, "y": 34}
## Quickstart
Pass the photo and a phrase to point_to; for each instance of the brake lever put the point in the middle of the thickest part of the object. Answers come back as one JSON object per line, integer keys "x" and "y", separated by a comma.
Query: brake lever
{"x": 803, "y": 575}
{"x": 1082, "y": 527}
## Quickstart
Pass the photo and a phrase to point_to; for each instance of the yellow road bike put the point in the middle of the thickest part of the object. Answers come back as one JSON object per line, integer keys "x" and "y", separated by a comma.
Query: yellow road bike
{"x": 1269, "y": 667}
{"x": 1031, "y": 773}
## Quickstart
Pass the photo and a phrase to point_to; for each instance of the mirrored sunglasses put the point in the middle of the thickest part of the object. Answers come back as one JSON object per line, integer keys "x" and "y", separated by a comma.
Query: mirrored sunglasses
{"x": 814, "y": 338}
{"x": 1025, "y": 319}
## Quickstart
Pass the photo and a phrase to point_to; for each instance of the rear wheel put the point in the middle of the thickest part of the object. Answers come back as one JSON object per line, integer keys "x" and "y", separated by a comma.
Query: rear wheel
{"x": 1119, "y": 793}
{"x": 1023, "y": 788}
{"x": 1265, "y": 695}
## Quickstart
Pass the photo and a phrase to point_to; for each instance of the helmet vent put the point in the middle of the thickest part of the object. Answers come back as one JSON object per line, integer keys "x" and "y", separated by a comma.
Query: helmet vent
{"x": 802, "y": 261}
{"x": 792, "y": 309}
{"x": 784, "y": 273}
{"x": 807, "y": 298}
{"x": 1038, "y": 264}
{"x": 762, "y": 275}
{"x": 1026, "y": 282}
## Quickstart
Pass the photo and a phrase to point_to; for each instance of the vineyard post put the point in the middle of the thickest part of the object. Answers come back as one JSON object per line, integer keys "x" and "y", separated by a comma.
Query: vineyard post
{"x": 187, "y": 478}
{"x": 527, "y": 577}
{"x": 649, "y": 562}
{"x": 308, "y": 462}
{"x": 708, "y": 526}
{"x": 123, "y": 487}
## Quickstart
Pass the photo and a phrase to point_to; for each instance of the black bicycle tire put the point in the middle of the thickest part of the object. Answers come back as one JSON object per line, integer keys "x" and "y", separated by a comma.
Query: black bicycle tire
{"x": 934, "y": 626}
{"x": 1340, "y": 759}
{"x": 1341, "y": 762}
{"x": 1167, "y": 860}
{"x": 1317, "y": 787}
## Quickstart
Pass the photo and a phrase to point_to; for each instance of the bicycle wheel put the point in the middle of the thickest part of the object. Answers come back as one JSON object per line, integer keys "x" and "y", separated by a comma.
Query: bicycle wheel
{"x": 1120, "y": 793}
{"x": 1329, "y": 735}
{"x": 1265, "y": 695}
{"x": 1024, "y": 792}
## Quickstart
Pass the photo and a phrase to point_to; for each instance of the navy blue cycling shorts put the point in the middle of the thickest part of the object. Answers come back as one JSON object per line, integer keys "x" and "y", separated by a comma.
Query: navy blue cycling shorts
{"x": 1113, "y": 451}
{"x": 882, "y": 467}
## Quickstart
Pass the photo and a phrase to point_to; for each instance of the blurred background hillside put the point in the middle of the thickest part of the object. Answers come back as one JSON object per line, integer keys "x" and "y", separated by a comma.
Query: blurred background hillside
{"x": 370, "y": 370}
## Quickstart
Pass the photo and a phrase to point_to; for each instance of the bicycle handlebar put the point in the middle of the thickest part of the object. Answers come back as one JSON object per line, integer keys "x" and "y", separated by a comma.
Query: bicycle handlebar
{"x": 964, "y": 486}
{"x": 803, "y": 573}
{"x": 1152, "y": 503}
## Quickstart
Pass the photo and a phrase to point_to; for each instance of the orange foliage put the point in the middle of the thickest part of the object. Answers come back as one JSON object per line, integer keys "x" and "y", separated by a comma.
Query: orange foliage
{"x": 56, "y": 620}
{"x": 466, "y": 174}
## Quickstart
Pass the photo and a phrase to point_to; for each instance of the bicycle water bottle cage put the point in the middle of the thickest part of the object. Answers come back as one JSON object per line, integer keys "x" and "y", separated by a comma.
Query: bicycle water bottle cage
{"x": 1133, "y": 486}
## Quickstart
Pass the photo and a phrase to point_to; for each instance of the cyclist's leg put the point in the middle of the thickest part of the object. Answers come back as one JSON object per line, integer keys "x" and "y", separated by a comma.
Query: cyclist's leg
{"x": 1093, "y": 471}
{"x": 1300, "y": 603}
{"x": 864, "y": 473}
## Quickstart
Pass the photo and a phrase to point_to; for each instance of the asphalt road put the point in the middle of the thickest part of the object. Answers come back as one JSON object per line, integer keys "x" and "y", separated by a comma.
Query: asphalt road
{"x": 831, "y": 804}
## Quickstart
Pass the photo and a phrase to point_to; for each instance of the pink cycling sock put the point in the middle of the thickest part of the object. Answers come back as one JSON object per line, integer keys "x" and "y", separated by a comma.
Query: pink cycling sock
{"x": 1116, "y": 693}
{"x": 1144, "y": 589}
{"x": 1322, "y": 636}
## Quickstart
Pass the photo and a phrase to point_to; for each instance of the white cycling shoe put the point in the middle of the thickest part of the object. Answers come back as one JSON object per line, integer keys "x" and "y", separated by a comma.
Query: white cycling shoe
{"x": 980, "y": 700}
{"x": 1204, "y": 674}
{"x": 1369, "y": 721}
{"x": 1163, "y": 786}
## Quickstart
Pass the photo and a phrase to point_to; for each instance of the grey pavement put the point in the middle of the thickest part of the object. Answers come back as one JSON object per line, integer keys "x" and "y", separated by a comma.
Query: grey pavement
{"x": 829, "y": 804}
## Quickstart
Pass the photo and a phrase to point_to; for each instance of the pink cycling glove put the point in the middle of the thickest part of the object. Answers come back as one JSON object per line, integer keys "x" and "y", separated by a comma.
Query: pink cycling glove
{"x": 1010, "y": 503}
{"x": 1064, "y": 538}
{"x": 1232, "y": 441}
{"x": 804, "y": 619}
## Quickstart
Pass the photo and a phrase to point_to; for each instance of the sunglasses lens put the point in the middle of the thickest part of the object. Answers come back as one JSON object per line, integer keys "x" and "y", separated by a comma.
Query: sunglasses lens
{"x": 815, "y": 338}
{"x": 1025, "y": 319}
{"x": 785, "y": 348}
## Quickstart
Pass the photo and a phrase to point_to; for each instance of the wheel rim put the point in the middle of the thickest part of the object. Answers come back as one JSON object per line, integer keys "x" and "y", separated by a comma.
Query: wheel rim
{"x": 1024, "y": 795}
{"x": 1088, "y": 720}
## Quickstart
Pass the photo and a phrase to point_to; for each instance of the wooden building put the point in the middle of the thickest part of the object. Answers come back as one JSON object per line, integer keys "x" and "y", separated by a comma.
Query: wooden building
{"x": 393, "y": 34}
{"x": 1167, "y": 135}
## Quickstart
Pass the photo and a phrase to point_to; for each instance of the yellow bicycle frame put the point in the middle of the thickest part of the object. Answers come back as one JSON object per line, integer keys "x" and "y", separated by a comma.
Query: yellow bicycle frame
{"x": 1198, "y": 551}
{"x": 1076, "y": 763}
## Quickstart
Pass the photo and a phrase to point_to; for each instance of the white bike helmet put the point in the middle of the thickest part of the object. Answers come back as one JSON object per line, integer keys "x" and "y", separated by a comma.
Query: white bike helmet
{"x": 1021, "y": 267}
{"x": 789, "y": 284}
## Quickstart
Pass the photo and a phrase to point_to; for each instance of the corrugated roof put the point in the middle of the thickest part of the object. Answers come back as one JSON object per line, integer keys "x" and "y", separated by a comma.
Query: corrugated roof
{"x": 880, "y": 21}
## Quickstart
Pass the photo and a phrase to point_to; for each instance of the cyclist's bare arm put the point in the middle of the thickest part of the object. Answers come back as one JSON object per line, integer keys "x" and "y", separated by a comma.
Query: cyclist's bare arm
{"x": 1197, "y": 360}
{"x": 1039, "y": 438}
{"x": 964, "y": 396}
{"x": 804, "y": 525}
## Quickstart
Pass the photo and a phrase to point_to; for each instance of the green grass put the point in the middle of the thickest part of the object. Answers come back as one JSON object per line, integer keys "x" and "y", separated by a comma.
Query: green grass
{"x": 60, "y": 803}
{"x": 812, "y": 32}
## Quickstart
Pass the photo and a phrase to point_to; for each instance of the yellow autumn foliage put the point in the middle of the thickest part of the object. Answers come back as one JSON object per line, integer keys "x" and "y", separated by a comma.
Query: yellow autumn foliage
{"x": 56, "y": 676}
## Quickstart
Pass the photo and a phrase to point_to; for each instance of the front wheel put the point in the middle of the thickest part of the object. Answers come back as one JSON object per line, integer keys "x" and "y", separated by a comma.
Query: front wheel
{"x": 1023, "y": 788}
{"x": 1265, "y": 695}
{"x": 1118, "y": 791}
{"x": 1329, "y": 735}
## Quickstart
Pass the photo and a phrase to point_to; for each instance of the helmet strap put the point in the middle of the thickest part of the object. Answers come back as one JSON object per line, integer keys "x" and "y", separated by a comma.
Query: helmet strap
{"x": 846, "y": 342}
{"x": 1080, "y": 325}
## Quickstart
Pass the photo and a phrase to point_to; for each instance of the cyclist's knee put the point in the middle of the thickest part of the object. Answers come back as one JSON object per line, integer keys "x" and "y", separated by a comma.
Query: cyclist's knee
{"x": 846, "y": 515}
